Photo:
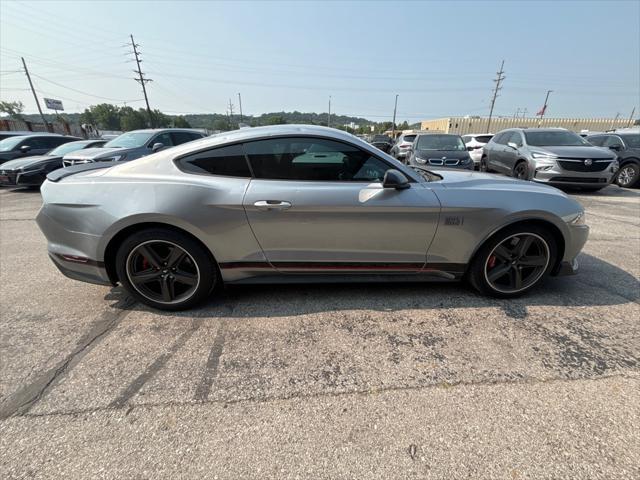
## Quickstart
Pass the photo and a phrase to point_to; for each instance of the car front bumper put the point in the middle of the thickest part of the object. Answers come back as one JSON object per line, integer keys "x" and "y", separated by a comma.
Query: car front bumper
{"x": 556, "y": 175}
{"x": 8, "y": 178}
{"x": 31, "y": 179}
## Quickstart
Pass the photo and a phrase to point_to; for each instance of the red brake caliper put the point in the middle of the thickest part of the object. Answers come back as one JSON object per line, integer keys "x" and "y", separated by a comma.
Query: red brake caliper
{"x": 492, "y": 261}
{"x": 145, "y": 263}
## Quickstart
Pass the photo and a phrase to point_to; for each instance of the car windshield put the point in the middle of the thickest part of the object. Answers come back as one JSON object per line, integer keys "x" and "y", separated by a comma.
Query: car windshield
{"x": 483, "y": 138}
{"x": 130, "y": 140}
{"x": 409, "y": 138}
{"x": 66, "y": 148}
{"x": 440, "y": 142}
{"x": 381, "y": 138}
{"x": 555, "y": 139}
{"x": 632, "y": 141}
{"x": 8, "y": 143}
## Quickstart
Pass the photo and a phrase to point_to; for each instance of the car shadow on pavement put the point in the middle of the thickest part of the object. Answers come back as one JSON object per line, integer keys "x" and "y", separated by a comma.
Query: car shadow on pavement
{"x": 598, "y": 283}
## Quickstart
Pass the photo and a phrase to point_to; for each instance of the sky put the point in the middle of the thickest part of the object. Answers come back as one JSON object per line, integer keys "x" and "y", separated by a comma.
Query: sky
{"x": 440, "y": 58}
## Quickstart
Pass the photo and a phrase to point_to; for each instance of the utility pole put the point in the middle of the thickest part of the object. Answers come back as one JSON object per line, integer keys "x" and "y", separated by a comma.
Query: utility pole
{"x": 26, "y": 71}
{"x": 141, "y": 80}
{"x": 240, "y": 103}
{"x": 393, "y": 124}
{"x": 499, "y": 78}
{"x": 230, "y": 112}
{"x": 517, "y": 114}
{"x": 329, "y": 114}
{"x": 544, "y": 107}
{"x": 631, "y": 117}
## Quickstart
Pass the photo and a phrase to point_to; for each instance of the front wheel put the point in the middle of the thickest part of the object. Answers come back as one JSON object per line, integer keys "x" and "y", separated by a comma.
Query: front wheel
{"x": 521, "y": 171}
{"x": 484, "y": 166}
{"x": 165, "y": 269}
{"x": 628, "y": 175}
{"x": 513, "y": 261}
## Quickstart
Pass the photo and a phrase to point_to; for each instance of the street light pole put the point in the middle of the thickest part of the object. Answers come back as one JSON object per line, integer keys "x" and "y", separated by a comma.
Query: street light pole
{"x": 240, "y": 105}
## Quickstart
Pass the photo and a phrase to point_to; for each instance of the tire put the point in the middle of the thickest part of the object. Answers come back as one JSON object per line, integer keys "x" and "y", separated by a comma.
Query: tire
{"x": 628, "y": 175}
{"x": 484, "y": 165}
{"x": 490, "y": 258}
{"x": 165, "y": 269}
{"x": 521, "y": 170}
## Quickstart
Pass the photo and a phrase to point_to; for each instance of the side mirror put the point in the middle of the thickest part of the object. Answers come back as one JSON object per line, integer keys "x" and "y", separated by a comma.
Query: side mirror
{"x": 395, "y": 179}
{"x": 25, "y": 148}
{"x": 513, "y": 145}
{"x": 157, "y": 146}
{"x": 469, "y": 149}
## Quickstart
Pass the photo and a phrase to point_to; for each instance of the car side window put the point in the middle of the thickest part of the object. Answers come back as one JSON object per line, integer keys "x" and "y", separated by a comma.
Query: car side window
{"x": 182, "y": 137}
{"x": 516, "y": 138}
{"x": 313, "y": 159}
{"x": 53, "y": 142}
{"x": 36, "y": 143}
{"x": 227, "y": 161}
{"x": 597, "y": 141}
{"x": 501, "y": 137}
{"x": 613, "y": 141}
{"x": 163, "y": 138}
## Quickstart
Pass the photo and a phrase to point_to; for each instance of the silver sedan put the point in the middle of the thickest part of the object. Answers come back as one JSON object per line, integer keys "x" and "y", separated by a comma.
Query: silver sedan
{"x": 300, "y": 204}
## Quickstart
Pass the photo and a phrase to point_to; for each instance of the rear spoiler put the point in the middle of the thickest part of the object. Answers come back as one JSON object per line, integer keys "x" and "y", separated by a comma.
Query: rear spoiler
{"x": 65, "y": 172}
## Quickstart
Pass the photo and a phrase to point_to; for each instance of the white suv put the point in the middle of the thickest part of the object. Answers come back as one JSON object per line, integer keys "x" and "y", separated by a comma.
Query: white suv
{"x": 475, "y": 143}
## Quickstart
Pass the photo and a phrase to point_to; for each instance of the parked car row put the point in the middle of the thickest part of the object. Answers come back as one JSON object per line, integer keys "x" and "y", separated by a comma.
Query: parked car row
{"x": 553, "y": 156}
{"x": 25, "y": 160}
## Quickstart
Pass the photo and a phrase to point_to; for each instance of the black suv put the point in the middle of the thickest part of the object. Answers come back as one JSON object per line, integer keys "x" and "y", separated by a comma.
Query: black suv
{"x": 382, "y": 142}
{"x": 627, "y": 147}
{"x": 28, "y": 145}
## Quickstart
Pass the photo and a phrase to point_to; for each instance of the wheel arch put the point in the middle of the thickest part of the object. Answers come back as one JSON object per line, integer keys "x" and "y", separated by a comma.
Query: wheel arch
{"x": 116, "y": 240}
{"x": 540, "y": 222}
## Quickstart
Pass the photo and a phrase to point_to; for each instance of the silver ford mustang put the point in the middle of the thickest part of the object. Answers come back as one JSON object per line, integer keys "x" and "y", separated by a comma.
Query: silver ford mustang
{"x": 299, "y": 203}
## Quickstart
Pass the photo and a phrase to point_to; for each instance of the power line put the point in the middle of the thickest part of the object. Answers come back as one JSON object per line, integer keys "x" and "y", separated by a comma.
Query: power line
{"x": 141, "y": 80}
{"x": 118, "y": 100}
{"x": 499, "y": 78}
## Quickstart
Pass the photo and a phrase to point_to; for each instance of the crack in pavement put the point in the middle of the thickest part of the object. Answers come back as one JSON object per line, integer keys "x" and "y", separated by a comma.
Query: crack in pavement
{"x": 211, "y": 369}
{"x": 22, "y": 400}
{"x": 634, "y": 376}
{"x": 135, "y": 386}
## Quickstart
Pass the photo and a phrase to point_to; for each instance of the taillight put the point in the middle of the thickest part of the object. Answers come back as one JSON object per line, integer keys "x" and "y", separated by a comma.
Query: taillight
{"x": 404, "y": 146}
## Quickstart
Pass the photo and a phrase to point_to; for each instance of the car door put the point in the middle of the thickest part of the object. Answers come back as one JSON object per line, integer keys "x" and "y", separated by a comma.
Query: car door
{"x": 511, "y": 153}
{"x": 317, "y": 205}
{"x": 495, "y": 152}
{"x": 37, "y": 145}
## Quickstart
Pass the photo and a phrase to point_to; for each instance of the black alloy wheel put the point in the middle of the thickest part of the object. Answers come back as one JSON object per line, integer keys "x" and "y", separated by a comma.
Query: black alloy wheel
{"x": 517, "y": 263}
{"x": 165, "y": 269}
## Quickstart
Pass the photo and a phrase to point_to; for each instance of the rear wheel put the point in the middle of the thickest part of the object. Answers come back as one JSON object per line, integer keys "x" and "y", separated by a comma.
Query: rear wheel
{"x": 165, "y": 269}
{"x": 484, "y": 166}
{"x": 513, "y": 261}
{"x": 628, "y": 175}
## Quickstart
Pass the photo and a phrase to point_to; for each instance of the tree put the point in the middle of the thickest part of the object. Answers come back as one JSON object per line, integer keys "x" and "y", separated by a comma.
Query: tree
{"x": 131, "y": 119}
{"x": 221, "y": 124}
{"x": 180, "y": 122}
{"x": 160, "y": 120}
{"x": 104, "y": 116}
{"x": 275, "y": 120}
{"x": 13, "y": 109}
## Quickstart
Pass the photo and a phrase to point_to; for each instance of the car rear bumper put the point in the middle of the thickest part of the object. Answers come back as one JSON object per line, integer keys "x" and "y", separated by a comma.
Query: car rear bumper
{"x": 80, "y": 268}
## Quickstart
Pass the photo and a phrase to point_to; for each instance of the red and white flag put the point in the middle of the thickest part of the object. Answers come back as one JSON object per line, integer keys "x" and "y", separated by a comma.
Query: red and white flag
{"x": 542, "y": 110}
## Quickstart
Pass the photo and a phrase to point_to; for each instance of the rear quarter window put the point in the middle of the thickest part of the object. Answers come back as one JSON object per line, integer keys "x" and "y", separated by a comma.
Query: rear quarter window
{"x": 228, "y": 161}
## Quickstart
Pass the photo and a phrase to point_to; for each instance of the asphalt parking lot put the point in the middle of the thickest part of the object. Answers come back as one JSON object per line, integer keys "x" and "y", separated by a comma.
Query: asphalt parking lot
{"x": 355, "y": 381}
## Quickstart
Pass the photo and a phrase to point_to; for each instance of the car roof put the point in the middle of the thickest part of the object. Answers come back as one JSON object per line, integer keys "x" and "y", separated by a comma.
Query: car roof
{"x": 476, "y": 134}
{"x": 439, "y": 133}
{"x": 157, "y": 130}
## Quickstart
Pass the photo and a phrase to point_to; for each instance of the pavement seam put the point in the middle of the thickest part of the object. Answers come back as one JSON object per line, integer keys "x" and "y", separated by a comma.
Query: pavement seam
{"x": 261, "y": 400}
{"x": 21, "y": 401}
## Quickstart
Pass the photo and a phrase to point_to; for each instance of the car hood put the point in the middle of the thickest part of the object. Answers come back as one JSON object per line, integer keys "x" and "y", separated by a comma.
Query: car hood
{"x": 486, "y": 181}
{"x": 576, "y": 152}
{"x": 27, "y": 161}
{"x": 8, "y": 155}
{"x": 442, "y": 153}
{"x": 93, "y": 153}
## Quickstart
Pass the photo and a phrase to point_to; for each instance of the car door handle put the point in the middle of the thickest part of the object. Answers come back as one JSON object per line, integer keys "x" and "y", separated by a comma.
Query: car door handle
{"x": 272, "y": 205}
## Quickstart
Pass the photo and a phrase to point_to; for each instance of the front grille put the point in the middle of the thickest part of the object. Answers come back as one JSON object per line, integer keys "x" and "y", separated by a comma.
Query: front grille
{"x": 450, "y": 162}
{"x": 578, "y": 180}
{"x": 578, "y": 165}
